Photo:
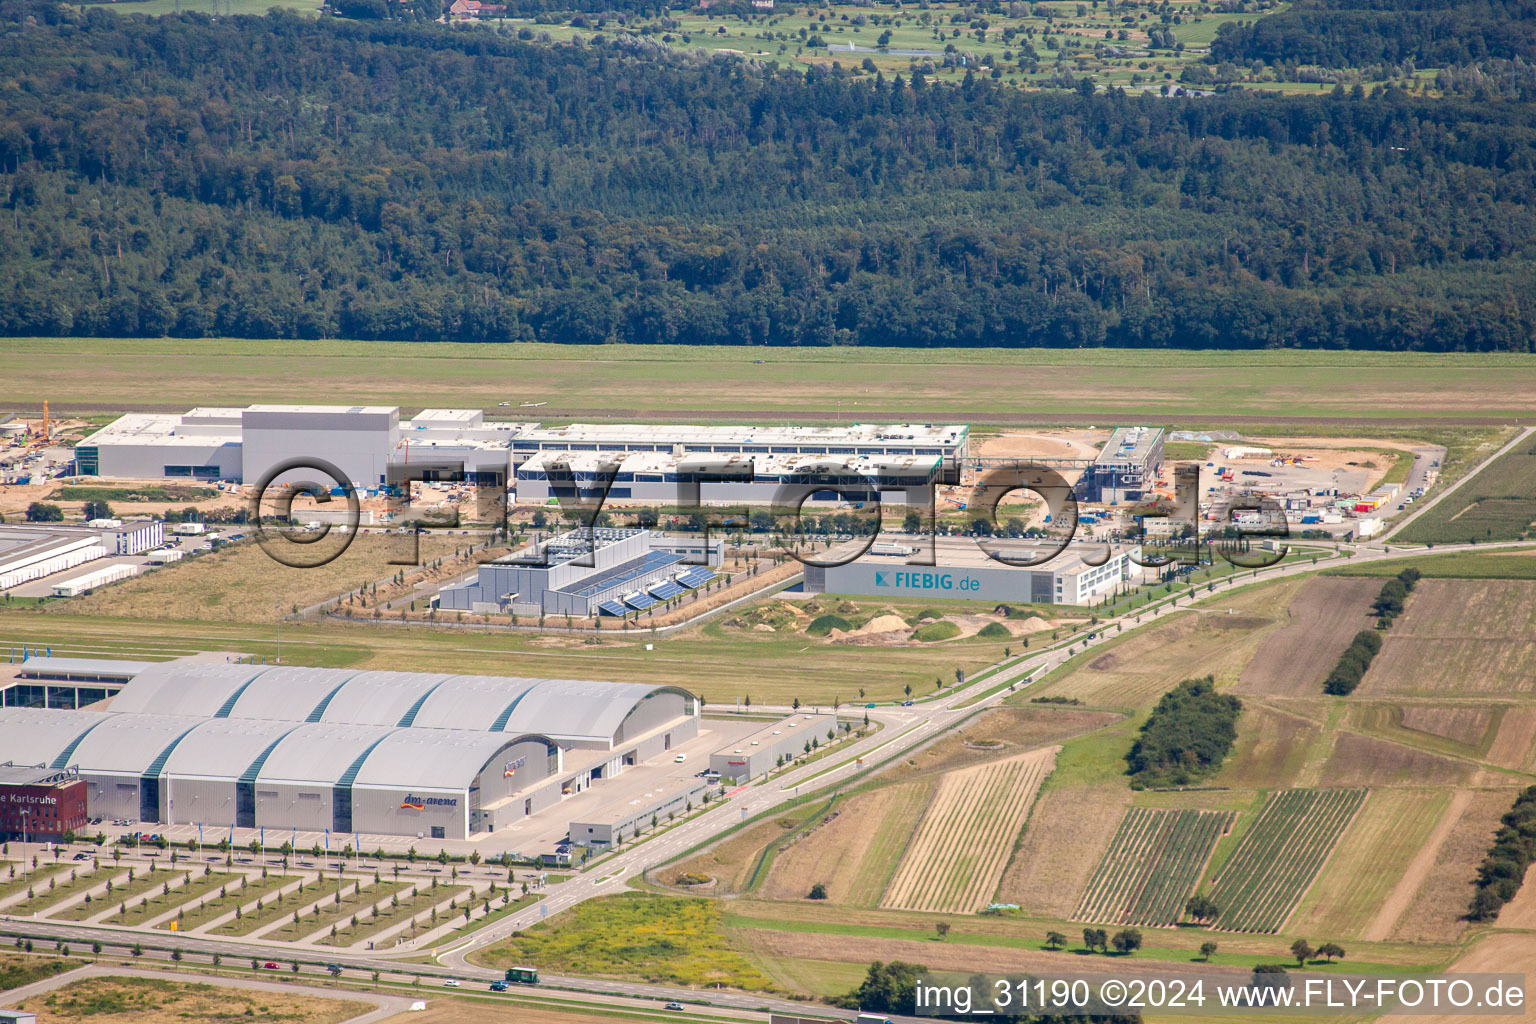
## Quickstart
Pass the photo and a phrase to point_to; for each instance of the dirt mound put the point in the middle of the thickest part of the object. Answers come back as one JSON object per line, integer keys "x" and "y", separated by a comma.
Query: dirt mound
{"x": 1104, "y": 664}
{"x": 881, "y": 624}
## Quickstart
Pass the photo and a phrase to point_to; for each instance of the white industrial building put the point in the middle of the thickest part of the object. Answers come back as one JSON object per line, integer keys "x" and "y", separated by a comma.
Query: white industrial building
{"x": 372, "y": 445}
{"x": 32, "y": 552}
{"x": 387, "y": 753}
{"x": 87, "y": 582}
{"x": 657, "y": 478}
{"x": 135, "y": 536}
{"x": 760, "y": 752}
{"x": 584, "y": 572}
{"x": 965, "y": 571}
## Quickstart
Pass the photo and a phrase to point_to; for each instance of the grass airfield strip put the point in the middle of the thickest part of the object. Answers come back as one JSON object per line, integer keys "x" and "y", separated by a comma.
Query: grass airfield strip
{"x": 963, "y": 385}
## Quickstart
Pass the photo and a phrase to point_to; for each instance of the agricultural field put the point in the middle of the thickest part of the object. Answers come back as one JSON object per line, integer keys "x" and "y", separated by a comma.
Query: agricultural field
{"x": 1498, "y": 503}
{"x": 978, "y": 386}
{"x": 1322, "y": 618}
{"x": 855, "y": 850}
{"x": 1279, "y": 855}
{"x": 134, "y": 1000}
{"x": 1152, "y": 866}
{"x": 963, "y": 843}
{"x": 1503, "y": 564}
{"x": 1367, "y": 882}
{"x": 1459, "y": 638}
{"x": 1217, "y": 639}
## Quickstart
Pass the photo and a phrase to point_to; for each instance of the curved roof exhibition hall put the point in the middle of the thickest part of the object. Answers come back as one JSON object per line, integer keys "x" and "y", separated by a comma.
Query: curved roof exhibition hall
{"x": 219, "y": 720}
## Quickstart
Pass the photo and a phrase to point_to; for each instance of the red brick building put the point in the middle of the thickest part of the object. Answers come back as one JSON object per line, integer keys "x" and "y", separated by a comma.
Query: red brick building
{"x": 47, "y": 802}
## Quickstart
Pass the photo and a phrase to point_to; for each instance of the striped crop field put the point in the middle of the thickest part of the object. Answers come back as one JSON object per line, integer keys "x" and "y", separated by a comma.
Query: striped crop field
{"x": 1279, "y": 855}
{"x": 1152, "y": 866}
{"x": 961, "y": 846}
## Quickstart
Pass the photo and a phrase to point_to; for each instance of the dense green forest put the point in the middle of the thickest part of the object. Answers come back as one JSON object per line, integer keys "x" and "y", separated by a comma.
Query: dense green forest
{"x": 1351, "y": 33}
{"x": 291, "y": 177}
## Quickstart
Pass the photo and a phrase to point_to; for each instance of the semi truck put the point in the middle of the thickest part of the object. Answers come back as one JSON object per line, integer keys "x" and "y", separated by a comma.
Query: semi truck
{"x": 523, "y": 975}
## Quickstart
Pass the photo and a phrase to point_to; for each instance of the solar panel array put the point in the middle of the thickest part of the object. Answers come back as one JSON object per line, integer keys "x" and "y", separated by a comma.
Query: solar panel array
{"x": 693, "y": 579}
{"x": 612, "y": 608}
{"x": 639, "y": 601}
{"x": 665, "y": 589}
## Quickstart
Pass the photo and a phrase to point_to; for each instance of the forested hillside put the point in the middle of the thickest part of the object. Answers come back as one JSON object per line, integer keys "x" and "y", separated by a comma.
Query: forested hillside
{"x": 1350, "y": 33}
{"x": 283, "y": 177}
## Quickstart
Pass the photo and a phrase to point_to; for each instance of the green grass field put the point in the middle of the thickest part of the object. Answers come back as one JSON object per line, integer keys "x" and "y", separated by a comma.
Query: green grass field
{"x": 1498, "y": 503}
{"x": 1457, "y": 565}
{"x": 731, "y": 385}
{"x": 721, "y": 664}
{"x": 661, "y": 939}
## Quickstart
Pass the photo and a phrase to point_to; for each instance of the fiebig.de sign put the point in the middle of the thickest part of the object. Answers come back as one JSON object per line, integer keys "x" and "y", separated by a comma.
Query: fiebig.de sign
{"x": 926, "y": 581}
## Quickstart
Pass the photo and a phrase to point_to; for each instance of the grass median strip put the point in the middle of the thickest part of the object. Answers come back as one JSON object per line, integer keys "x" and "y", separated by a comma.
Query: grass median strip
{"x": 15, "y": 881}
{"x": 498, "y": 911}
{"x": 140, "y": 881}
{"x": 335, "y": 908}
{"x": 175, "y": 889}
{"x": 58, "y": 887}
{"x": 401, "y": 907}
{"x": 231, "y": 897}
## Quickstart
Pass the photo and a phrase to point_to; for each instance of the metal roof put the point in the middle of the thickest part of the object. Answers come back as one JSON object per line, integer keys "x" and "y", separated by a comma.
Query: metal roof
{"x": 380, "y": 698}
{"x": 572, "y": 709}
{"x": 129, "y": 744}
{"x": 562, "y": 708}
{"x": 319, "y": 754}
{"x": 222, "y": 748}
{"x": 38, "y": 735}
{"x": 185, "y": 687}
{"x": 471, "y": 702}
{"x": 287, "y": 693}
{"x": 53, "y": 668}
{"x": 436, "y": 758}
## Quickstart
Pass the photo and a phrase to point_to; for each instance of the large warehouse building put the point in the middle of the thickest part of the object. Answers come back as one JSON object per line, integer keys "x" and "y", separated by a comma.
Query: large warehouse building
{"x": 386, "y": 753}
{"x": 584, "y": 572}
{"x": 967, "y": 572}
{"x": 372, "y": 444}
{"x": 658, "y": 478}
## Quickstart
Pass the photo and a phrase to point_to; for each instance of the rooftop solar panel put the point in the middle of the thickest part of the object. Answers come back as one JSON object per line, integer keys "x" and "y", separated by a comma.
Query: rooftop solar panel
{"x": 639, "y": 601}
{"x": 608, "y": 579}
{"x": 612, "y": 608}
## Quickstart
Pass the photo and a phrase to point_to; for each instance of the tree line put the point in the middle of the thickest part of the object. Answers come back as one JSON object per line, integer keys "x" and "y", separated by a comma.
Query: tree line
{"x": 305, "y": 178}
{"x": 1503, "y": 869}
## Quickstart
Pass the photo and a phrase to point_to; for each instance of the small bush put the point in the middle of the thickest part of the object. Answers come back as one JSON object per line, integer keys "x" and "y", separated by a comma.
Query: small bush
{"x": 995, "y": 631}
{"x": 935, "y": 631}
{"x": 824, "y": 624}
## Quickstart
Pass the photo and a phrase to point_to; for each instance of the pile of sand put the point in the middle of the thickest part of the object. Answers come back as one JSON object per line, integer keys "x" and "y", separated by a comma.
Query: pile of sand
{"x": 881, "y": 624}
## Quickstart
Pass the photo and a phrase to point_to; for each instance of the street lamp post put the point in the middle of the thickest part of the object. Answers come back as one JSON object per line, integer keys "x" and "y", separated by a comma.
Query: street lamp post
{"x": 24, "y": 813}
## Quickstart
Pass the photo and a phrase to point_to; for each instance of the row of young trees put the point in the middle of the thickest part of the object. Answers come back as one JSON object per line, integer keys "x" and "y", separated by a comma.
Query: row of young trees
{"x": 292, "y": 177}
